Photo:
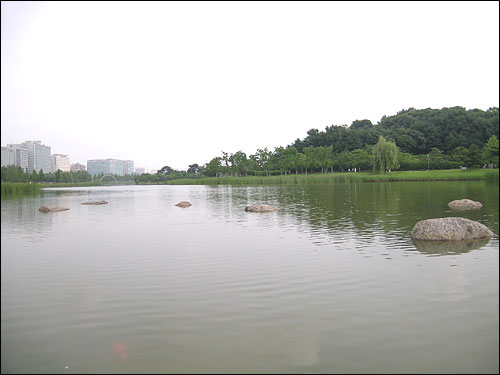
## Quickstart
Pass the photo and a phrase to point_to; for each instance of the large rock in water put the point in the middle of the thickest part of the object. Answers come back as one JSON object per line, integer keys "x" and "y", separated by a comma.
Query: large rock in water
{"x": 183, "y": 204}
{"x": 465, "y": 204}
{"x": 449, "y": 229}
{"x": 46, "y": 209}
{"x": 261, "y": 208}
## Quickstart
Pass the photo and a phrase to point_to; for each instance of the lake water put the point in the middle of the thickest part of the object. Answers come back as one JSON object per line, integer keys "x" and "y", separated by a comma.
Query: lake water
{"x": 330, "y": 283}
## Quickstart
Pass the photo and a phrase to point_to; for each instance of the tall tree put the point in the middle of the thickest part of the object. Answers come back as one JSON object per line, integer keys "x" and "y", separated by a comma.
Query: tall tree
{"x": 490, "y": 152}
{"x": 473, "y": 159}
{"x": 214, "y": 167}
{"x": 193, "y": 168}
{"x": 166, "y": 170}
{"x": 385, "y": 156}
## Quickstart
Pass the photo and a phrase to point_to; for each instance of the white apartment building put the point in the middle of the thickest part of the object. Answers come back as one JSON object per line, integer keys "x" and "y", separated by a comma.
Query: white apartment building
{"x": 60, "y": 161}
{"x": 16, "y": 155}
{"x": 39, "y": 156}
{"x": 110, "y": 166}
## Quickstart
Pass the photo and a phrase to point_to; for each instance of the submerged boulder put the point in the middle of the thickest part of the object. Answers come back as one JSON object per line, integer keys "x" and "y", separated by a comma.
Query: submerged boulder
{"x": 449, "y": 229}
{"x": 261, "y": 208}
{"x": 183, "y": 204}
{"x": 465, "y": 204}
{"x": 95, "y": 203}
{"x": 46, "y": 209}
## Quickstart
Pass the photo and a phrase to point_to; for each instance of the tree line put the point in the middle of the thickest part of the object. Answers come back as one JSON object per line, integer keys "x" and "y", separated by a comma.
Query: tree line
{"x": 423, "y": 139}
{"x": 17, "y": 174}
{"x": 412, "y": 139}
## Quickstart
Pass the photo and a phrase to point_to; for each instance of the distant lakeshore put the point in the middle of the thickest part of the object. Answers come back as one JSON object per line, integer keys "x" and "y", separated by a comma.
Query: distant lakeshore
{"x": 343, "y": 177}
{"x": 9, "y": 189}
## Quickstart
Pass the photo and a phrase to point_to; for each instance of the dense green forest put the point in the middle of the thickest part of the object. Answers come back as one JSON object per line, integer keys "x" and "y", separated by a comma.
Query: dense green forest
{"x": 414, "y": 131}
{"x": 423, "y": 139}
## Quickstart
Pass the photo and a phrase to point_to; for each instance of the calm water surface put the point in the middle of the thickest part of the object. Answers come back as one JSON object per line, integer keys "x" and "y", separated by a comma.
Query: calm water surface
{"x": 330, "y": 283}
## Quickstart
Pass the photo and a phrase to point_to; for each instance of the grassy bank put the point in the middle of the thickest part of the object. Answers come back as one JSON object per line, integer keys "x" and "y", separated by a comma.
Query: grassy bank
{"x": 14, "y": 189}
{"x": 19, "y": 188}
{"x": 346, "y": 177}
{"x": 71, "y": 184}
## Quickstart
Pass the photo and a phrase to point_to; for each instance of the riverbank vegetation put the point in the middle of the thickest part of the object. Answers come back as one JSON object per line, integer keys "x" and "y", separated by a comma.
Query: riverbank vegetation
{"x": 344, "y": 177}
{"x": 18, "y": 188}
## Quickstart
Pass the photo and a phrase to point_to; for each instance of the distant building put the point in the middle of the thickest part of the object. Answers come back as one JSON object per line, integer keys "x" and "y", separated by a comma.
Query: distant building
{"x": 16, "y": 155}
{"x": 75, "y": 167}
{"x": 110, "y": 166}
{"x": 8, "y": 157}
{"x": 39, "y": 157}
{"x": 128, "y": 167}
{"x": 98, "y": 166}
{"x": 60, "y": 161}
{"x": 21, "y": 156}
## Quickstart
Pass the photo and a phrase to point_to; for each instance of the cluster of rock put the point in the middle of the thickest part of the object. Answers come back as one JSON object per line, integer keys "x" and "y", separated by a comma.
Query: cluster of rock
{"x": 440, "y": 229}
{"x": 452, "y": 228}
{"x": 46, "y": 209}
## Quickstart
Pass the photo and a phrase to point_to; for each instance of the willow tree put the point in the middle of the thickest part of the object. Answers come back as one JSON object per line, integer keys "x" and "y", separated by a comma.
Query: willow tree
{"x": 385, "y": 156}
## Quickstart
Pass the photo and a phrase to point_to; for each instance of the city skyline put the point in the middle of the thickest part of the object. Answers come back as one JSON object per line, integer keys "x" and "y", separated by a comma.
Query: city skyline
{"x": 190, "y": 80}
{"x": 23, "y": 155}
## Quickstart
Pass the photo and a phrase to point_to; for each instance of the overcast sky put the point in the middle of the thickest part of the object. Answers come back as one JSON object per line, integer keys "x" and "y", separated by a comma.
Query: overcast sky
{"x": 165, "y": 83}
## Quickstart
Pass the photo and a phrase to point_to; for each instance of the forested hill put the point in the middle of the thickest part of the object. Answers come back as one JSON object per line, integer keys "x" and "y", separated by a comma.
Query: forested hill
{"x": 415, "y": 131}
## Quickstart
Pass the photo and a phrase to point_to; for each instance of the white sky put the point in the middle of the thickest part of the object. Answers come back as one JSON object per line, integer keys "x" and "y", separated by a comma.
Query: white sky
{"x": 166, "y": 83}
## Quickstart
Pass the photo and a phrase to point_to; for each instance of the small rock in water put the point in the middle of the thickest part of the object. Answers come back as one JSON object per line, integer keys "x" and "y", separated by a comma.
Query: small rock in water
{"x": 95, "y": 203}
{"x": 261, "y": 208}
{"x": 465, "y": 204}
{"x": 183, "y": 204}
{"x": 46, "y": 209}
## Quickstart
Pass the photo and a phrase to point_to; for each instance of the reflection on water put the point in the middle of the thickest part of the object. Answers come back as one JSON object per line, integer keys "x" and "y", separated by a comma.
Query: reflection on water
{"x": 449, "y": 247}
{"x": 329, "y": 283}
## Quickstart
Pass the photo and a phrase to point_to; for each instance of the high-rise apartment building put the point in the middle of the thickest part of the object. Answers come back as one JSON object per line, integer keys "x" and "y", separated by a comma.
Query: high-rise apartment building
{"x": 60, "y": 161}
{"x": 15, "y": 155}
{"x": 39, "y": 157}
{"x": 110, "y": 166}
{"x": 128, "y": 167}
{"x": 97, "y": 166}
{"x": 8, "y": 157}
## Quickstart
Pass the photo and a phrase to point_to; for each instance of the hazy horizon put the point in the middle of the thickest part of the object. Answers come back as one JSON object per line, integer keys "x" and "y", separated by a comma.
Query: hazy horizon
{"x": 177, "y": 83}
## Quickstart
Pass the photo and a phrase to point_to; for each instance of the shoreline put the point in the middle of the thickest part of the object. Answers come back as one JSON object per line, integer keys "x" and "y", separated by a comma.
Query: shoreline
{"x": 10, "y": 189}
{"x": 343, "y": 177}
